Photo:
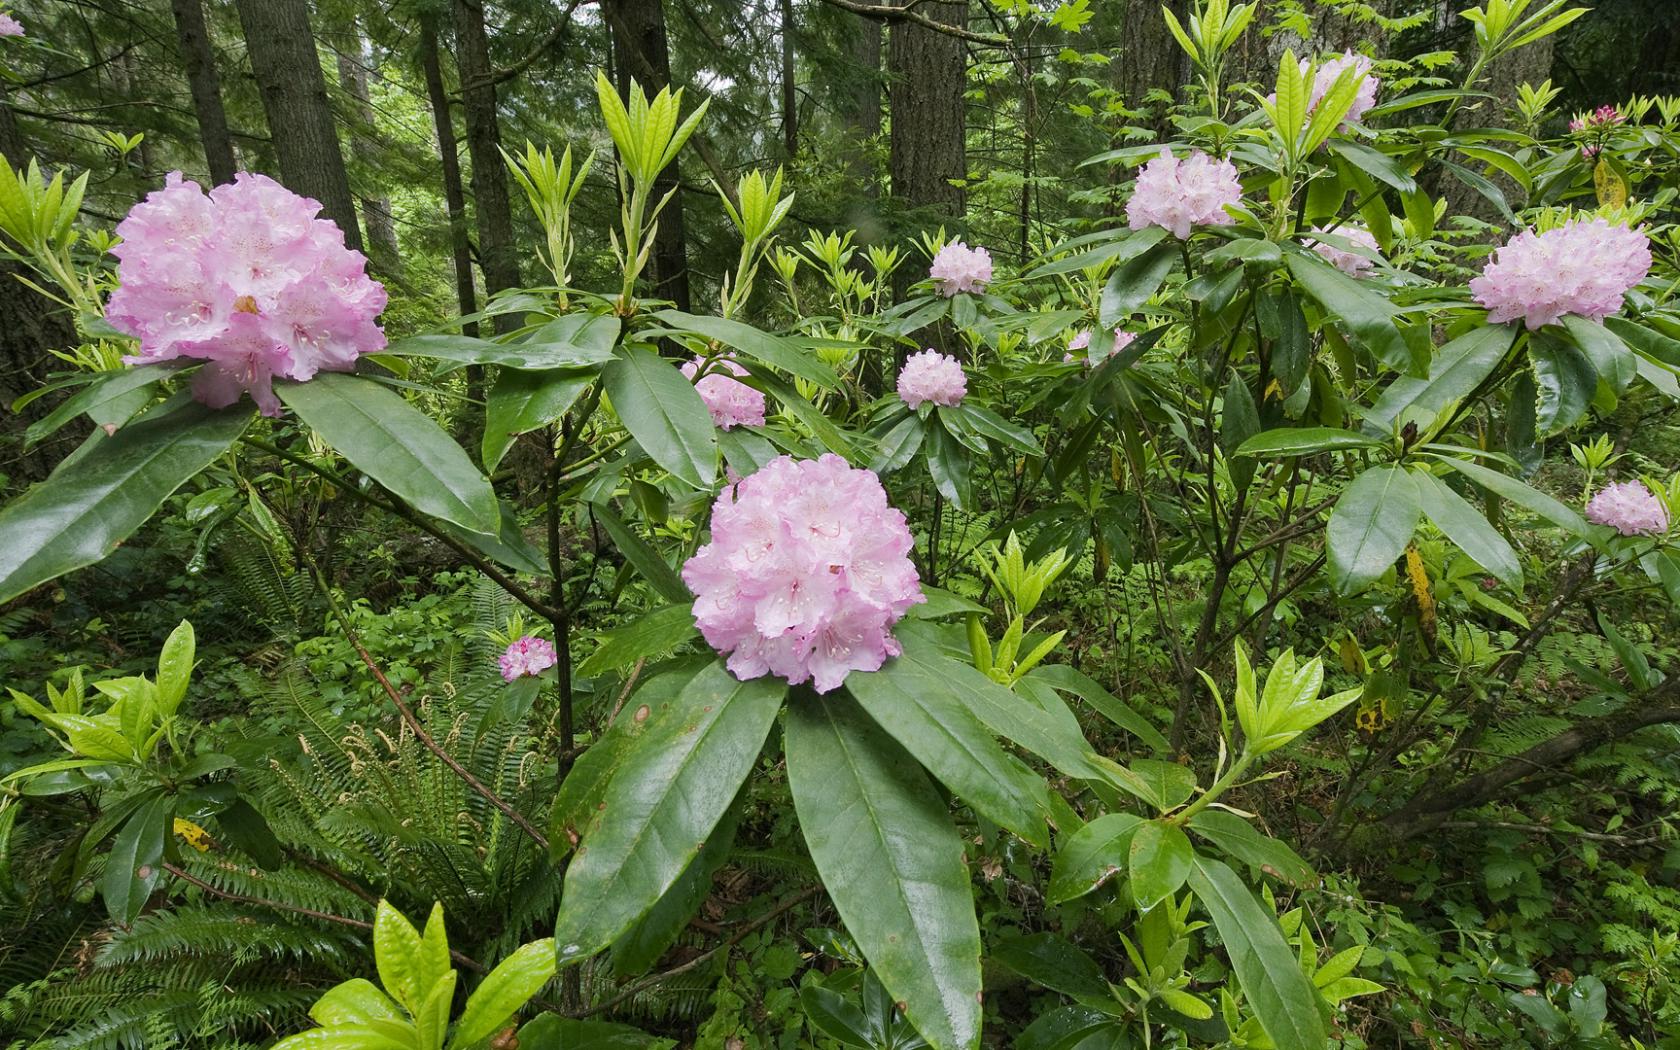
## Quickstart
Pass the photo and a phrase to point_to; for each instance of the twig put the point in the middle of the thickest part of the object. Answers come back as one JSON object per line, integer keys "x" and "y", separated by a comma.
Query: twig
{"x": 889, "y": 13}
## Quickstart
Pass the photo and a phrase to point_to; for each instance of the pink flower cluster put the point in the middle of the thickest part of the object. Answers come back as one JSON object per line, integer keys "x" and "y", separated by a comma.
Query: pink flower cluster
{"x": 959, "y": 268}
{"x": 10, "y": 26}
{"x": 1326, "y": 78}
{"x": 528, "y": 657}
{"x": 1583, "y": 267}
{"x": 1630, "y": 508}
{"x": 1603, "y": 116}
{"x": 932, "y": 376}
{"x": 1177, "y": 194}
{"x": 1118, "y": 340}
{"x": 1351, "y": 263}
{"x": 731, "y": 402}
{"x": 246, "y": 279}
{"x": 807, "y": 571}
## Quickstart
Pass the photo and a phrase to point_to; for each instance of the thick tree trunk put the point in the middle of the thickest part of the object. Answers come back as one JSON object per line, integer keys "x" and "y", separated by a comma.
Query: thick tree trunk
{"x": 294, "y": 97}
{"x": 1149, "y": 57}
{"x": 364, "y": 143}
{"x": 497, "y": 255}
{"x": 642, "y": 53}
{"x": 790, "y": 93}
{"x": 927, "y": 69}
{"x": 454, "y": 196}
{"x": 193, "y": 38}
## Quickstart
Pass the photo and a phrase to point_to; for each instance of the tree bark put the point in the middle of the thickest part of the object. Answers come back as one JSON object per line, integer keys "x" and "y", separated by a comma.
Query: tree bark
{"x": 790, "y": 94}
{"x": 454, "y": 195}
{"x": 193, "y": 38}
{"x": 642, "y": 53}
{"x": 1149, "y": 58}
{"x": 294, "y": 97}
{"x": 927, "y": 70}
{"x": 364, "y": 143}
{"x": 497, "y": 256}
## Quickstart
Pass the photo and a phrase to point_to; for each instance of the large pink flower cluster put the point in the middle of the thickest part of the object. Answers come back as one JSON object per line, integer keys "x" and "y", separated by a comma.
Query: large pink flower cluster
{"x": 1630, "y": 508}
{"x": 1353, "y": 264}
{"x": 246, "y": 279}
{"x": 932, "y": 376}
{"x": 731, "y": 402}
{"x": 1583, "y": 267}
{"x": 959, "y": 268}
{"x": 806, "y": 574}
{"x": 528, "y": 657}
{"x": 1112, "y": 344}
{"x": 10, "y": 26}
{"x": 1179, "y": 194}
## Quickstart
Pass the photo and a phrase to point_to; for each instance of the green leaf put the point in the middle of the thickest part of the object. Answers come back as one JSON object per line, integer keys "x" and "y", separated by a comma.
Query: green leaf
{"x": 552, "y": 1032}
{"x": 397, "y": 445}
{"x": 1457, "y": 370}
{"x": 1271, "y": 978}
{"x": 136, "y": 860}
{"x": 353, "y": 1002}
{"x": 835, "y": 1016}
{"x": 398, "y": 955}
{"x": 665, "y": 415}
{"x": 1159, "y": 861}
{"x": 1134, "y": 282}
{"x": 98, "y": 398}
{"x": 574, "y": 341}
{"x": 883, "y": 842}
{"x": 1466, "y": 526}
{"x": 1164, "y": 785}
{"x": 1365, "y": 315}
{"x": 898, "y": 445}
{"x": 247, "y": 829}
{"x": 1091, "y": 856}
{"x": 79, "y": 515}
{"x": 1303, "y": 441}
{"x": 761, "y": 346}
{"x": 520, "y": 402}
{"x": 1054, "y": 962}
{"x": 639, "y": 553}
{"x": 1611, "y": 359}
{"x": 1072, "y": 680}
{"x": 925, "y": 712}
{"x": 1241, "y": 840}
{"x": 175, "y": 664}
{"x": 507, "y": 988}
{"x": 989, "y": 424}
{"x": 644, "y": 943}
{"x": 655, "y": 632}
{"x": 821, "y": 427}
{"x": 1373, "y": 521}
{"x": 1522, "y": 495}
{"x": 666, "y": 797}
{"x": 1566, "y": 381}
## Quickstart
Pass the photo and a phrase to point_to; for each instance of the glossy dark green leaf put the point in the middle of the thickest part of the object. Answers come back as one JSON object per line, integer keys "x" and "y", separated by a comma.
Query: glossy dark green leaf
{"x": 1303, "y": 441}
{"x": 550, "y": 1031}
{"x": 1523, "y": 496}
{"x": 1159, "y": 860}
{"x": 1610, "y": 356}
{"x": 1239, "y": 421}
{"x": 1374, "y": 163}
{"x": 1164, "y": 785}
{"x": 520, "y": 402}
{"x": 1365, "y": 315}
{"x": 989, "y": 424}
{"x": 1241, "y": 840}
{"x": 136, "y": 860}
{"x": 1134, "y": 282}
{"x": 820, "y": 426}
{"x": 574, "y": 341}
{"x": 98, "y": 398}
{"x": 1565, "y": 379}
{"x": 1091, "y": 856}
{"x": 651, "y": 634}
{"x": 1071, "y": 680}
{"x": 1280, "y": 312}
{"x": 79, "y": 514}
{"x": 664, "y": 800}
{"x": 245, "y": 827}
{"x": 883, "y": 842}
{"x": 640, "y": 554}
{"x": 1054, "y": 962}
{"x": 643, "y": 944}
{"x": 898, "y": 445}
{"x": 948, "y": 464}
{"x": 1373, "y": 521}
{"x": 1271, "y": 978}
{"x": 1467, "y": 527}
{"x": 1457, "y": 370}
{"x": 665, "y": 415}
{"x": 835, "y": 1016}
{"x": 926, "y": 712}
{"x": 773, "y": 350}
{"x": 398, "y": 446}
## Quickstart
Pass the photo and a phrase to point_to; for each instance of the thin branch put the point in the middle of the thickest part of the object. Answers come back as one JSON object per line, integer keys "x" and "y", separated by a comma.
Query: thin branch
{"x": 889, "y": 13}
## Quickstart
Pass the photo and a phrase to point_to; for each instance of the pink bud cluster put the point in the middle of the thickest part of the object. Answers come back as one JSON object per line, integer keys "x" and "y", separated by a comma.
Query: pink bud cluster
{"x": 1603, "y": 116}
{"x": 1354, "y": 264}
{"x": 1630, "y": 508}
{"x": 959, "y": 268}
{"x": 931, "y": 376}
{"x": 10, "y": 26}
{"x": 1178, "y": 195}
{"x": 246, "y": 279}
{"x": 731, "y": 402}
{"x": 807, "y": 571}
{"x": 1583, "y": 267}
{"x": 528, "y": 657}
{"x": 1116, "y": 341}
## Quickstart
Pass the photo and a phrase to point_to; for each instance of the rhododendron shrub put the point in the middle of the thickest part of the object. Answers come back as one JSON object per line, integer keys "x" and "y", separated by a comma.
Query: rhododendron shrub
{"x": 1630, "y": 508}
{"x": 247, "y": 279}
{"x": 731, "y": 402}
{"x": 1179, "y": 195}
{"x": 933, "y": 378}
{"x": 1584, "y": 267}
{"x": 959, "y": 268}
{"x": 527, "y": 657}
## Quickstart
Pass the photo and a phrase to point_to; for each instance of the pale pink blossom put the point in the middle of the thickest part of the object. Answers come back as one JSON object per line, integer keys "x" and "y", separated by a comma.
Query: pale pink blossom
{"x": 731, "y": 402}
{"x": 1583, "y": 267}
{"x": 1116, "y": 341}
{"x": 1179, "y": 195}
{"x": 932, "y": 376}
{"x": 959, "y": 268}
{"x": 246, "y": 279}
{"x": 1630, "y": 508}
{"x": 1354, "y": 264}
{"x": 807, "y": 571}
{"x": 10, "y": 26}
{"x": 528, "y": 657}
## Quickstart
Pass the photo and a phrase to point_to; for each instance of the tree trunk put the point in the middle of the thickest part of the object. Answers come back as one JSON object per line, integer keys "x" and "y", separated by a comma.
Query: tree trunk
{"x": 1149, "y": 58}
{"x": 927, "y": 70}
{"x": 364, "y": 143}
{"x": 1530, "y": 65}
{"x": 642, "y": 53}
{"x": 294, "y": 97}
{"x": 497, "y": 256}
{"x": 193, "y": 38}
{"x": 790, "y": 94}
{"x": 454, "y": 197}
